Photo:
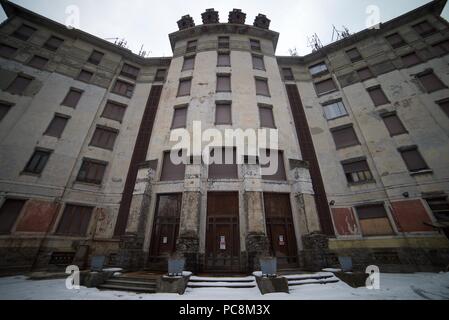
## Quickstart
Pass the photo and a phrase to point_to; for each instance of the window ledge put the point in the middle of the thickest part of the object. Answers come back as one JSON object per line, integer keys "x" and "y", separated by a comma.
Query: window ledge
{"x": 31, "y": 174}
{"x": 327, "y": 92}
{"x": 421, "y": 172}
{"x": 354, "y": 184}
{"x": 91, "y": 184}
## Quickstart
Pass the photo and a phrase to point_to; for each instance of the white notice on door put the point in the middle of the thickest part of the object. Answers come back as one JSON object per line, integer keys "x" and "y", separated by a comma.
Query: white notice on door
{"x": 222, "y": 243}
{"x": 165, "y": 240}
{"x": 281, "y": 240}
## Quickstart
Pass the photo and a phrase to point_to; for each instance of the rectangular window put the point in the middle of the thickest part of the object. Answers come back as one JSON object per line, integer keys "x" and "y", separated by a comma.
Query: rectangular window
{"x": 4, "y": 109}
{"x": 262, "y": 87}
{"x": 266, "y": 117}
{"x": 53, "y": 43}
{"x": 424, "y": 29}
{"x": 410, "y": 59}
{"x": 179, "y": 117}
{"x": 104, "y": 138}
{"x": 7, "y": 51}
{"x": 396, "y": 40}
{"x": 171, "y": 171}
{"x": 224, "y": 59}
{"x": 9, "y": 212}
{"x": 184, "y": 87}
{"x": 413, "y": 159}
{"x": 354, "y": 55}
{"x": 378, "y": 96}
{"x": 344, "y": 137}
{"x": 189, "y": 63}
{"x": 440, "y": 208}
{"x": 318, "y": 69}
{"x": 123, "y": 88}
{"x": 325, "y": 86}
{"x": 394, "y": 124}
{"x": 365, "y": 74}
{"x": 258, "y": 62}
{"x": 335, "y": 110}
{"x": 265, "y": 157}
{"x": 129, "y": 71}
{"x": 96, "y": 57}
{"x": 287, "y": 73}
{"x": 443, "y": 104}
{"x": 224, "y": 164}
{"x": 38, "y": 62}
{"x": 57, "y": 126}
{"x": 223, "y": 83}
{"x": 85, "y": 76}
{"x": 160, "y": 75}
{"x": 223, "y": 42}
{"x": 75, "y": 220}
{"x": 357, "y": 171}
{"x": 19, "y": 85}
{"x": 255, "y": 44}
{"x": 72, "y": 98}
{"x": 430, "y": 82}
{"x": 441, "y": 48}
{"x": 37, "y": 162}
{"x": 191, "y": 46}
{"x": 223, "y": 113}
{"x": 114, "y": 111}
{"x": 24, "y": 32}
{"x": 91, "y": 171}
{"x": 374, "y": 220}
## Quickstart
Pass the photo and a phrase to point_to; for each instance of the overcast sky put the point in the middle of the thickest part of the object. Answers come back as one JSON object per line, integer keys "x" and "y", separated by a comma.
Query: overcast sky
{"x": 148, "y": 22}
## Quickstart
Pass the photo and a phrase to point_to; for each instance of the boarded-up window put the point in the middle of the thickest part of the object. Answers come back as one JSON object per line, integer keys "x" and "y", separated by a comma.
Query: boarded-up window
{"x": 24, "y": 32}
{"x": 374, "y": 220}
{"x": 430, "y": 82}
{"x": 223, "y": 113}
{"x": 225, "y": 166}
{"x": 280, "y": 174}
{"x": 255, "y": 44}
{"x": 38, "y": 62}
{"x": 53, "y": 43}
{"x": 179, "y": 118}
{"x": 318, "y": 69}
{"x": 114, "y": 111}
{"x": 223, "y": 42}
{"x": 184, "y": 87}
{"x": 75, "y": 220}
{"x": 224, "y": 59}
{"x": 325, "y": 86}
{"x": 396, "y": 40}
{"x": 7, "y": 51}
{"x": 57, "y": 126}
{"x": 413, "y": 159}
{"x": 378, "y": 96}
{"x": 160, "y": 75}
{"x": 37, "y": 162}
{"x": 223, "y": 83}
{"x": 91, "y": 171}
{"x": 335, "y": 110}
{"x": 344, "y": 137}
{"x": 262, "y": 87}
{"x": 130, "y": 71}
{"x": 19, "y": 85}
{"x": 410, "y": 59}
{"x": 123, "y": 88}
{"x": 85, "y": 75}
{"x": 354, "y": 55}
{"x": 172, "y": 171}
{"x": 189, "y": 63}
{"x": 258, "y": 62}
{"x": 365, "y": 74}
{"x": 443, "y": 104}
{"x": 4, "y": 109}
{"x": 287, "y": 73}
{"x": 441, "y": 48}
{"x": 104, "y": 138}
{"x": 394, "y": 124}
{"x": 191, "y": 46}
{"x": 266, "y": 116}
{"x": 72, "y": 98}
{"x": 440, "y": 208}
{"x": 357, "y": 171}
{"x": 9, "y": 212}
{"x": 95, "y": 57}
{"x": 424, "y": 29}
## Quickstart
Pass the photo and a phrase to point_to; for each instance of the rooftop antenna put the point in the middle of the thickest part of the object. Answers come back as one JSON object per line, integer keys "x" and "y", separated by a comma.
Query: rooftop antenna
{"x": 119, "y": 42}
{"x": 339, "y": 34}
{"x": 314, "y": 42}
{"x": 143, "y": 53}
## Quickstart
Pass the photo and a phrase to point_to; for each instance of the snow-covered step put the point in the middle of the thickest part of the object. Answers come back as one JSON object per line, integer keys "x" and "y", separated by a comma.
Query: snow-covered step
{"x": 222, "y": 282}
{"x": 133, "y": 284}
{"x": 127, "y": 288}
{"x": 314, "y": 278}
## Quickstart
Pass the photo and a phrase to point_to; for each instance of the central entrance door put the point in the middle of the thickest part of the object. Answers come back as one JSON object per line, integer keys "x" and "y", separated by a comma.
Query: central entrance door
{"x": 280, "y": 229}
{"x": 222, "y": 232}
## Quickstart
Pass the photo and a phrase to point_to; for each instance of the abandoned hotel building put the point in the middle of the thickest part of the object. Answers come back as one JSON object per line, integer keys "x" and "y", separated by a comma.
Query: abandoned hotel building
{"x": 363, "y": 126}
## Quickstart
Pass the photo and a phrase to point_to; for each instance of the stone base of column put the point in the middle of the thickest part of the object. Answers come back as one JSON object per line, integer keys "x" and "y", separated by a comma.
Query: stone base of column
{"x": 316, "y": 254}
{"x": 131, "y": 256}
{"x": 188, "y": 247}
{"x": 257, "y": 246}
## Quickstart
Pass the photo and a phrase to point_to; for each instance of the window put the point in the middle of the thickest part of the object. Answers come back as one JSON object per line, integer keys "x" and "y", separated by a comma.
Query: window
{"x": 440, "y": 208}
{"x": 4, "y": 109}
{"x": 394, "y": 124}
{"x": 7, "y": 51}
{"x": 430, "y": 82}
{"x": 287, "y": 73}
{"x": 189, "y": 63}
{"x": 184, "y": 87}
{"x": 72, "y": 98}
{"x": 443, "y": 104}
{"x": 374, "y": 220}
{"x": 91, "y": 171}
{"x": 255, "y": 45}
{"x": 95, "y": 57}
{"x": 441, "y": 48}
{"x": 114, "y": 111}
{"x": 19, "y": 84}
{"x": 344, "y": 137}
{"x": 335, "y": 110}
{"x": 258, "y": 62}
{"x": 318, "y": 69}
{"x": 354, "y": 55}
{"x": 262, "y": 87}
{"x": 325, "y": 86}
{"x": 396, "y": 40}
{"x": 9, "y": 212}
{"x": 75, "y": 220}
{"x": 37, "y": 162}
{"x": 123, "y": 88}
{"x": 57, "y": 126}
{"x": 223, "y": 83}
{"x": 24, "y": 32}
{"x": 410, "y": 59}
{"x": 38, "y": 62}
{"x": 224, "y": 59}
{"x": 424, "y": 29}
{"x": 357, "y": 171}
{"x": 413, "y": 159}
{"x": 265, "y": 158}
{"x": 378, "y": 96}
{"x": 223, "y": 42}
{"x": 223, "y": 113}
{"x": 85, "y": 76}
{"x": 171, "y": 171}
{"x": 130, "y": 71}
{"x": 223, "y": 164}
{"x": 160, "y": 75}
{"x": 53, "y": 43}
{"x": 191, "y": 46}
{"x": 365, "y": 74}
{"x": 104, "y": 138}
{"x": 179, "y": 117}
{"x": 266, "y": 117}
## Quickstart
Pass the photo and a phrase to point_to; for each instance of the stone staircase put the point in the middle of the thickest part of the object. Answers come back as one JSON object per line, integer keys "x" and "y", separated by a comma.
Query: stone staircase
{"x": 312, "y": 278}
{"x": 140, "y": 284}
{"x": 222, "y": 282}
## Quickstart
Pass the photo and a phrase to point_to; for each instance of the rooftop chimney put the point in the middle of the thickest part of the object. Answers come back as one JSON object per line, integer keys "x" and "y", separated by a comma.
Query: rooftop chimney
{"x": 262, "y": 21}
{"x": 210, "y": 16}
{"x": 237, "y": 16}
{"x": 186, "y": 22}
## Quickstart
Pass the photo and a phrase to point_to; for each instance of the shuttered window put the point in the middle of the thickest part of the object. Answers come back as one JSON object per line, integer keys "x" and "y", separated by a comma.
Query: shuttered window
{"x": 171, "y": 171}
{"x": 318, "y": 69}
{"x": 223, "y": 83}
{"x": 394, "y": 124}
{"x": 19, "y": 85}
{"x": 258, "y": 62}
{"x": 396, "y": 40}
{"x": 91, "y": 171}
{"x": 85, "y": 76}
{"x": 440, "y": 208}
{"x": 9, "y": 212}
{"x": 287, "y": 73}
{"x": 344, "y": 137}
{"x": 123, "y": 88}
{"x": 424, "y": 29}
{"x": 184, "y": 87}
{"x": 354, "y": 55}
{"x": 255, "y": 44}
{"x": 38, "y": 62}
{"x": 223, "y": 113}
{"x": 114, "y": 111}
{"x": 325, "y": 86}
{"x": 53, "y": 43}
{"x": 410, "y": 59}
{"x": 223, "y": 42}
{"x": 57, "y": 126}
{"x": 189, "y": 63}
{"x": 191, "y": 46}
{"x": 7, "y": 51}
{"x": 413, "y": 159}
{"x": 266, "y": 117}
{"x": 374, "y": 220}
{"x": 262, "y": 87}
{"x": 104, "y": 138}
{"x": 130, "y": 71}
{"x": 443, "y": 104}
{"x": 179, "y": 118}
{"x": 226, "y": 166}
{"x": 335, "y": 110}
{"x": 72, "y": 98}
{"x": 378, "y": 96}
{"x": 430, "y": 82}
{"x": 4, "y": 109}
{"x": 95, "y": 57}
{"x": 224, "y": 59}
{"x": 365, "y": 74}
{"x": 160, "y": 75}
{"x": 37, "y": 162}
{"x": 441, "y": 48}
{"x": 75, "y": 220}
{"x": 24, "y": 32}
{"x": 280, "y": 174}
{"x": 357, "y": 171}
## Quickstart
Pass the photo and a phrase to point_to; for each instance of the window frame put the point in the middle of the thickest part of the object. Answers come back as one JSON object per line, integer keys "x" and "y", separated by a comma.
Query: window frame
{"x": 115, "y": 104}
{"x": 175, "y": 109}
{"x": 325, "y": 92}
{"x": 367, "y": 178}
{"x": 224, "y": 75}
{"x": 318, "y": 73}
{"x": 179, "y": 87}
{"x": 47, "y": 45}
{"x": 268, "y": 94}
{"x": 85, "y": 180}
{"x": 415, "y": 148}
{"x": 354, "y": 59}
{"x": 98, "y": 128}
{"x": 38, "y": 168}
{"x": 92, "y": 56}
{"x": 129, "y": 86}
{"x": 64, "y": 101}
{"x": 374, "y": 88}
{"x": 14, "y": 91}
{"x": 57, "y": 115}
{"x": 331, "y": 103}
{"x": 18, "y": 35}
{"x": 227, "y": 104}
{"x": 261, "y": 106}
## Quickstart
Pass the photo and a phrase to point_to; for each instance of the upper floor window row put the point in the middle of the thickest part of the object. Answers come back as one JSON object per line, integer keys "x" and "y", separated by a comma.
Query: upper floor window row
{"x": 24, "y": 32}
{"x": 424, "y": 29}
{"x": 318, "y": 69}
{"x": 130, "y": 71}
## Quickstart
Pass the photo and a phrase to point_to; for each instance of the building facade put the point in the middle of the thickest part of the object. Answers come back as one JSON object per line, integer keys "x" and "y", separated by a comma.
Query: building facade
{"x": 363, "y": 150}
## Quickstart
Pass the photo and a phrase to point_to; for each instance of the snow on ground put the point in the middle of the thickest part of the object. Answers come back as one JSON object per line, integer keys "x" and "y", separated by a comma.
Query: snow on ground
{"x": 418, "y": 286}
